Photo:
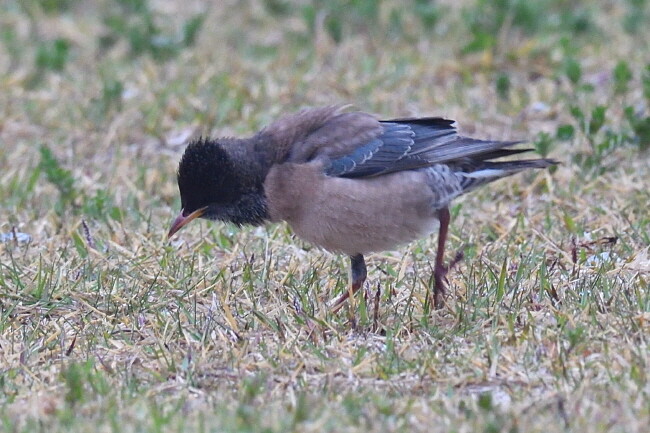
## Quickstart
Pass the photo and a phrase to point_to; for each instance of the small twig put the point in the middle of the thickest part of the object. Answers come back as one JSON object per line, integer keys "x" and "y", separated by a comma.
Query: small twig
{"x": 297, "y": 307}
{"x": 71, "y": 347}
{"x": 280, "y": 329}
{"x": 562, "y": 410}
{"x": 375, "y": 315}
{"x": 311, "y": 325}
{"x": 460, "y": 255}
{"x": 89, "y": 239}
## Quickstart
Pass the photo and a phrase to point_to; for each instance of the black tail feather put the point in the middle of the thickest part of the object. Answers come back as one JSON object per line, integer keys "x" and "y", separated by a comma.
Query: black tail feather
{"x": 488, "y": 171}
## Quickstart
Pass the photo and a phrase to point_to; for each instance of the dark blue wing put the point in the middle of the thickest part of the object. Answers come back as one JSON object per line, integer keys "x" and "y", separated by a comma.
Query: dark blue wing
{"x": 400, "y": 146}
{"x": 408, "y": 144}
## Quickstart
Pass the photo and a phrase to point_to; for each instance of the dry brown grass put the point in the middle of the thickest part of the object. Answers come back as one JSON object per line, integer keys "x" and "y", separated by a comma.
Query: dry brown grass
{"x": 105, "y": 326}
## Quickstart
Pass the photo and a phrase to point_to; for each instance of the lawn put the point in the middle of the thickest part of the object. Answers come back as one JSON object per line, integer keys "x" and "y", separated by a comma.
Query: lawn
{"x": 105, "y": 325}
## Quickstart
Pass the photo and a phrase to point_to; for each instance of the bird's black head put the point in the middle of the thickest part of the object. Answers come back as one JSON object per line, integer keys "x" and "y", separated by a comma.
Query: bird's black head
{"x": 219, "y": 182}
{"x": 207, "y": 175}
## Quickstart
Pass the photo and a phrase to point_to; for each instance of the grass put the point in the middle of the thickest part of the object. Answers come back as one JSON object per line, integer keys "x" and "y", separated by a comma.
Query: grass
{"x": 106, "y": 326}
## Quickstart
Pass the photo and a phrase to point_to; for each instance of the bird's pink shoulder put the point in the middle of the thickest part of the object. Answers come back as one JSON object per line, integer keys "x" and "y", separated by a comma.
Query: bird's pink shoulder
{"x": 321, "y": 132}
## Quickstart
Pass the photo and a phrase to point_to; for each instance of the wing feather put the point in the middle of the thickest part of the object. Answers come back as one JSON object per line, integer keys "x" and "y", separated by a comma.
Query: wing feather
{"x": 356, "y": 144}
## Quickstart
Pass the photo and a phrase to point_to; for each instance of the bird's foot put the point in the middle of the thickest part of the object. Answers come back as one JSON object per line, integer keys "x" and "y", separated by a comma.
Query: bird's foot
{"x": 340, "y": 301}
{"x": 440, "y": 280}
{"x": 358, "y": 277}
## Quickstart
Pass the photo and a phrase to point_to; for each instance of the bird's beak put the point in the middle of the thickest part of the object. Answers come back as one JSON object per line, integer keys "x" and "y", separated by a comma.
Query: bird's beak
{"x": 182, "y": 220}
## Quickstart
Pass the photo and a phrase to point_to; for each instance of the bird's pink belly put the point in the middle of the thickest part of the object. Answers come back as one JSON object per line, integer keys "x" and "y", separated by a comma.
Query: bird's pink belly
{"x": 355, "y": 216}
{"x": 352, "y": 240}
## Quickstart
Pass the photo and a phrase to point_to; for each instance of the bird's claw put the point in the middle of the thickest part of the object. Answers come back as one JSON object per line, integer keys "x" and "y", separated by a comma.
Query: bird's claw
{"x": 441, "y": 281}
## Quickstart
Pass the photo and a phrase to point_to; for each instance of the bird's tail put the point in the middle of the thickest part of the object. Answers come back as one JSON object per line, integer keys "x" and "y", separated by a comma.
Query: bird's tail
{"x": 489, "y": 171}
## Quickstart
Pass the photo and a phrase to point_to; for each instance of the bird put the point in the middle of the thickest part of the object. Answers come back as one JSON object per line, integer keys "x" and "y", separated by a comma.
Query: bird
{"x": 344, "y": 181}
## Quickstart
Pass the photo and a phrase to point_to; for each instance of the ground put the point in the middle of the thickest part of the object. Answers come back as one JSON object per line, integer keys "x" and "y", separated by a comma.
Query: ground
{"x": 107, "y": 326}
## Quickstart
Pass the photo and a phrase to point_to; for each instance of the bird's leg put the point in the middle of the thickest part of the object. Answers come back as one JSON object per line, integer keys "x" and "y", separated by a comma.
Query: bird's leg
{"x": 440, "y": 270}
{"x": 359, "y": 273}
